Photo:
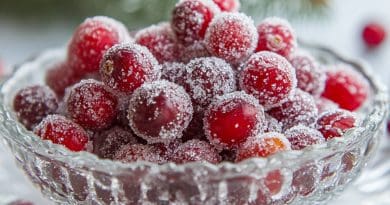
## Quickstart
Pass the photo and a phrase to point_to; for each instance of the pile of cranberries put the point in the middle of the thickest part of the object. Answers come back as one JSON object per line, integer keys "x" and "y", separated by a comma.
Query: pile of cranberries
{"x": 209, "y": 85}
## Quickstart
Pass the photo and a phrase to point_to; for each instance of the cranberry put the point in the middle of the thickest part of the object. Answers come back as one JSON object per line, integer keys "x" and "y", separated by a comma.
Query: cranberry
{"x": 346, "y": 87}
{"x": 125, "y": 67}
{"x": 231, "y": 119}
{"x": 324, "y": 105}
{"x": 60, "y": 130}
{"x": 305, "y": 179}
{"x": 300, "y": 108}
{"x": 194, "y": 151}
{"x": 91, "y": 39}
{"x": 173, "y": 72}
{"x": 335, "y": 123}
{"x": 274, "y": 181}
{"x": 276, "y": 35}
{"x": 160, "y": 111}
{"x": 272, "y": 124}
{"x": 92, "y": 105}
{"x": 228, "y": 5}
{"x": 190, "y": 19}
{"x": 161, "y": 42}
{"x": 138, "y": 152}
{"x": 60, "y": 77}
{"x": 374, "y": 34}
{"x": 232, "y": 37}
{"x": 301, "y": 136}
{"x": 269, "y": 77}
{"x": 168, "y": 149}
{"x": 34, "y": 103}
{"x": 195, "y": 50}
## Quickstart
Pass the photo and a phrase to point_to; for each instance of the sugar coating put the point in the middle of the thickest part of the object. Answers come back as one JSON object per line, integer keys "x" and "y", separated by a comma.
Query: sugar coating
{"x": 173, "y": 72}
{"x": 111, "y": 25}
{"x": 195, "y": 151}
{"x": 232, "y": 37}
{"x": 301, "y": 136}
{"x": 61, "y": 76}
{"x": 269, "y": 77}
{"x": 207, "y": 78}
{"x": 228, "y": 5}
{"x": 138, "y": 152}
{"x": 324, "y": 105}
{"x": 171, "y": 107}
{"x": 272, "y": 124}
{"x": 335, "y": 123}
{"x": 195, "y": 50}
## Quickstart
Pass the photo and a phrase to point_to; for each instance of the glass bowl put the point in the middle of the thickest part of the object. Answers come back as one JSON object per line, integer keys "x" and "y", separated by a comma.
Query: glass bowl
{"x": 310, "y": 176}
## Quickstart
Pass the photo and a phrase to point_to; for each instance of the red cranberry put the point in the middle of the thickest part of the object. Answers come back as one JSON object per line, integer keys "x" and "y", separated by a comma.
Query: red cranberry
{"x": 91, "y": 39}
{"x": 232, "y": 37}
{"x": 60, "y": 77}
{"x": 228, "y": 5}
{"x": 195, "y": 150}
{"x": 125, "y": 67}
{"x": 231, "y": 119}
{"x": 190, "y": 19}
{"x": 346, "y": 87}
{"x": 305, "y": 179}
{"x": 173, "y": 72}
{"x": 138, "y": 152}
{"x": 196, "y": 50}
{"x": 34, "y": 103}
{"x": 324, "y": 105}
{"x": 167, "y": 150}
{"x": 276, "y": 35}
{"x": 301, "y": 136}
{"x": 161, "y": 42}
{"x": 374, "y": 34}
{"x": 160, "y": 111}
{"x": 269, "y": 77}
{"x": 92, "y": 105}
{"x": 274, "y": 181}
{"x": 60, "y": 130}
{"x": 335, "y": 123}
{"x": 300, "y": 108}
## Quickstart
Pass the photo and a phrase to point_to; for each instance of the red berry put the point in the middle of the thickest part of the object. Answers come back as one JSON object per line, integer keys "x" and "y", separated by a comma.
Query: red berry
{"x": 305, "y": 180}
{"x": 335, "y": 123}
{"x": 374, "y": 34}
{"x": 324, "y": 105}
{"x": 196, "y": 50}
{"x": 190, "y": 19}
{"x": 228, "y": 5}
{"x": 269, "y": 77}
{"x": 167, "y": 150}
{"x": 194, "y": 151}
{"x": 138, "y": 152}
{"x": 272, "y": 124}
{"x": 300, "y": 108}
{"x": 274, "y": 181}
{"x": 60, "y": 77}
{"x": 346, "y": 87}
{"x": 301, "y": 136}
{"x": 276, "y": 35}
{"x": 232, "y": 37}
{"x": 60, "y": 130}
{"x": 160, "y": 111}
{"x": 161, "y": 42}
{"x": 92, "y": 105}
{"x": 125, "y": 67}
{"x": 34, "y": 103}
{"x": 173, "y": 72}
{"x": 91, "y": 39}
{"x": 231, "y": 119}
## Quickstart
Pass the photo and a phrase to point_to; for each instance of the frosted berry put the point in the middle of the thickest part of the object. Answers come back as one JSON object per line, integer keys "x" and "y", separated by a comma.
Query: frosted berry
{"x": 324, "y": 105}
{"x": 194, "y": 151}
{"x": 160, "y": 111}
{"x": 301, "y": 136}
{"x": 374, "y": 34}
{"x": 274, "y": 181}
{"x": 305, "y": 179}
{"x": 91, "y": 39}
{"x": 346, "y": 87}
{"x": 272, "y": 124}
{"x": 60, "y": 130}
{"x": 269, "y": 77}
{"x": 90, "y": 104}
{"x": 195, "y": 50}
{"x": 335, "y": 123}
{"x": 60, "y": 77}
{"x": 167, "y": 149}
{"x": 276, "y": 35}
{"x": 161, "y": 42}
{"x": 232, "y": 37}
{"x": 300, "y": 108}
{"x": 190, "y": 19}
{"x": 173, "y": 72}
{"x": 231, "y": 119}
{"x": 34, "y": 103}
{"x": 138, "y": 152}
{"x": 125, "y": 67}
{"x": 228, "y": 5}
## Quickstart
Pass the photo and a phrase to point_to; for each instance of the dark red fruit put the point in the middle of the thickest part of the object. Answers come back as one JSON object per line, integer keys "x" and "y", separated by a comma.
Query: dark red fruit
{"x": 34, "y": 103}
{"x": 196, "y": 50}
{"x": 173, "y": 72}
{"x": 301, "y": 136}
{"x": 138, "y": 152}
{"x": 335, "y": 123}
{"x": 374, "y": 34}
{"x": 228, "y": 5}
{"x": 60, "y": 130}
{"x": 305, "y": 179}
{"x": 194, "y": 151}
{"x": 60, "y": 77}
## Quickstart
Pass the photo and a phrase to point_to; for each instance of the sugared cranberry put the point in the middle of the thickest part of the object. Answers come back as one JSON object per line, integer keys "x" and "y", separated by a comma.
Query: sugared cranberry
{"x": 196, "y": 150}
{"x": 195, "y": 50}
{"x": 335, "y": 123}
{"x": 310, "y": 77}
{"x": 346, "y": 87}
{"x": 206, "y": 78}
{"x": 274, "y": 181}
{"x": 231, "y": 119}
{"x": 272, "y": 124}
{"x": 301, "y": 136}
{"x": 232, "y": 37}
{"x": 167, "y": 149}
{"x": 91, "y": 39}
{"x": 276, "y": 35}
{"x": 60, "y": 130}
{"x": 161, "y": 42}
{"x": 60, "y": 77}
{"x": 173, "y": 72}
{"x": 269, "y": 77}
{"x": 324, "y": 105}
{"x": 125, "y": 67}
{"x": 228, "y": 5}
{"x": 190, "y": 19}
{"x": 160, "y": 111}
{"x": 34, "y": 103}
{"x": 90, "y": 104}
{"x": 374, "y": 34}
{"x": 263, "y": 145}
{"x": 138, "y": 152}
{"x": 305, "y": 179}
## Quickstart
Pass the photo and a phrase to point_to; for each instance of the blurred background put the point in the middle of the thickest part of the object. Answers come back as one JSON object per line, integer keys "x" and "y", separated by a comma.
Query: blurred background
{"x": 29, "y": 27}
